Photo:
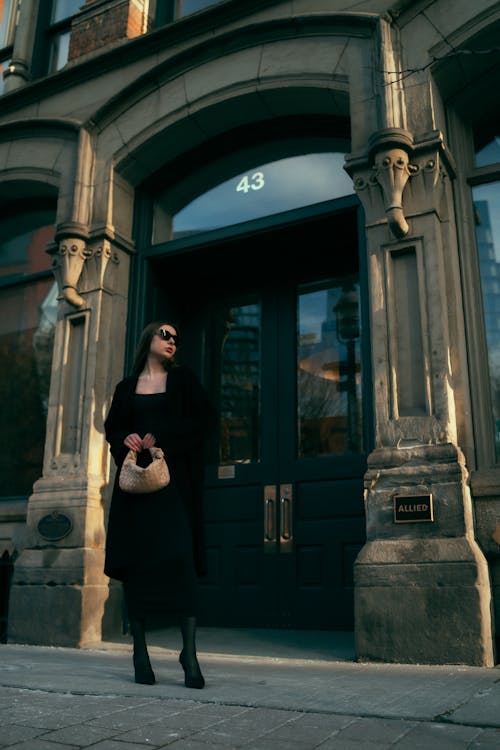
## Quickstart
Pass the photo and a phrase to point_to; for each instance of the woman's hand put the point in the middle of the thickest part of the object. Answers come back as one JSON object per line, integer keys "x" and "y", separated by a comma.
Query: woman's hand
{"x": 134, "y": 442}
{"x": 149, "y": 440}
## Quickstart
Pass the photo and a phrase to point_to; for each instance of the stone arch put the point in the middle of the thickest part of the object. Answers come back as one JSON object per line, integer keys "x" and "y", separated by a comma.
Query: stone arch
{"x": 137, "y": 161}
{"x": 27, "y": 147}
{"x": 190, "y": 175}
{"x": 187, "y": 102}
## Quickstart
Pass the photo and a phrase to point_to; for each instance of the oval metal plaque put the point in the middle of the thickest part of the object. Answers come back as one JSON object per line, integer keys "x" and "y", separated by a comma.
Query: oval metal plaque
{"x": 55, "y": 526}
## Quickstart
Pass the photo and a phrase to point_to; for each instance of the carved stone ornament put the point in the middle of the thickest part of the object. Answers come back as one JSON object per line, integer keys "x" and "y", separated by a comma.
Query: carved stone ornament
{"x": 392, "y": 169}
{"x": 101, "y": 254}
{"x": 67, "y": 264}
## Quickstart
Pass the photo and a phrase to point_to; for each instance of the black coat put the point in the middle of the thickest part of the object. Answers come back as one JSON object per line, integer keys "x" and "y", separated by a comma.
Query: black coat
{"x": 181, "y": 435}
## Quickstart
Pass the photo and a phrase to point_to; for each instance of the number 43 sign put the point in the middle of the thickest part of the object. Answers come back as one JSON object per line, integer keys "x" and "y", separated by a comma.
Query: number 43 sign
{"x": 251, "y": 182}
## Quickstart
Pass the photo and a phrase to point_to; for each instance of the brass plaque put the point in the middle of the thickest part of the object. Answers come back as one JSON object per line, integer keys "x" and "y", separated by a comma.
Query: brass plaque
{"x": 226, "y": 472}
{"x": 413, "y": 508}
{"x": 54, "y": 526}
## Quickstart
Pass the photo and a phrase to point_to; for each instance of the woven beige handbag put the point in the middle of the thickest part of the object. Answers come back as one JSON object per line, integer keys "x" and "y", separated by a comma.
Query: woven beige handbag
{"x": 139, "y": 479}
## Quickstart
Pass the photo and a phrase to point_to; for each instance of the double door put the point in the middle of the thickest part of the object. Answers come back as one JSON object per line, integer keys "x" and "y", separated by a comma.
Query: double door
{"x": 283, "y": 351}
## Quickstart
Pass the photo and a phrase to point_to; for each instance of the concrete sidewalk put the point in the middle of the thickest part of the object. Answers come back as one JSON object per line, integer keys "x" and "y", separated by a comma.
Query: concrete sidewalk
{"x": 264, "y": 689}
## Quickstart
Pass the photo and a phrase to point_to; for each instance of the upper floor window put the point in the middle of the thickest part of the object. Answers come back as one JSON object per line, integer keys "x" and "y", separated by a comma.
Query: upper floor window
{"x": 8, "y": 20}
{"x": 53, "y": 35}
{"x": 170, "y": 10}
{"x": 59, "y": 31}
{"x": 261, "y": 190}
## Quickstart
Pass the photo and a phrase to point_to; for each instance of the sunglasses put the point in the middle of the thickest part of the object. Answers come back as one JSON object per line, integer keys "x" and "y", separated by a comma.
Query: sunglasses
{"x": 166, "y": 335}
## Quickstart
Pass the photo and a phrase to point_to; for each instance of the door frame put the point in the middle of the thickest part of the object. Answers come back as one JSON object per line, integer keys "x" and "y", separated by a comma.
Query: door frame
{"x": 144, "y": 291}
{"x": 142, "y": 299}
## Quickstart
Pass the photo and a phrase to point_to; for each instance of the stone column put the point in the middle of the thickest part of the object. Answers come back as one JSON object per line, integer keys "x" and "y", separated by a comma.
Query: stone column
{"x": 60, "y": 595}
{"x": 422, "y": 588}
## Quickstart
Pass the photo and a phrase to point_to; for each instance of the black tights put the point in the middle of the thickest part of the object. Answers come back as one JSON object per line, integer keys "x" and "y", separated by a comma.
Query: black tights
{"x": 192, "y": 673}
{"x": 143, "y": 671}
{"x": 142, "y": 666}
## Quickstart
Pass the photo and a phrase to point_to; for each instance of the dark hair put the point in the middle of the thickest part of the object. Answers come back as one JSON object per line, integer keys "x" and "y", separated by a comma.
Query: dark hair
{"x": 142, "y": 350}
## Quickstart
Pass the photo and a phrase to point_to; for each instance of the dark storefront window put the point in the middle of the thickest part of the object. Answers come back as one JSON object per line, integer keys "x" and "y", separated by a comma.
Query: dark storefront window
{"x": 28, "y": 299}
{"x": 487, "y": 218}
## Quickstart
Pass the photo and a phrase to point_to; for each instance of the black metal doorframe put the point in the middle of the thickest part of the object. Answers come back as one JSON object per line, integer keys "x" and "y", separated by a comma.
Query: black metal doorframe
{"x": 179, "y": 255}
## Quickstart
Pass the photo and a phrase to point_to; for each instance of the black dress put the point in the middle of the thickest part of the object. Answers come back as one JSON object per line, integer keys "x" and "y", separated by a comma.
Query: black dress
{"x": 162, "y": 580}
{"x": 154, "y": 541}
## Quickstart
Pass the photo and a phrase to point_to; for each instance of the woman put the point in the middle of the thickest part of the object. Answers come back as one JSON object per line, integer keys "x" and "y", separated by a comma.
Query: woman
{"x": 155, "y": 542}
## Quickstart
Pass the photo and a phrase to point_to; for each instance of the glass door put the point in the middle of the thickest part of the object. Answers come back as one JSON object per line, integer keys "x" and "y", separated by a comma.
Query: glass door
{"x": 283, "y": 351}
{"x": 284, "y": 505}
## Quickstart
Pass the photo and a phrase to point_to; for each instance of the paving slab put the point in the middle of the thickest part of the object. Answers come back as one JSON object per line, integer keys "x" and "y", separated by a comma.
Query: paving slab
{"x": 264, "y": 689}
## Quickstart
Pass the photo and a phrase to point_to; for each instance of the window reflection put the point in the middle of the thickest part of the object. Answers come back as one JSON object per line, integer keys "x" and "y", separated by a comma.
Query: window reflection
{"x": 487, "y": 215}
{"x": 489, "y": 154}
{"x": 24, "y": 237}
{"x": 59, "y": 51}
{"x": 329, "y": 370}
{"x": 60, "y": 31}
{"x": 186, "y": 7}
{"x": 262, "y": 190}
{"x": 3, "y": 67}
{"x": 62, "y": 9}
{"x": 28, "y": 302}
{"x": 239, "y": 383}
{"x": 8, "y": 18}
{"x": 166, "y": 11}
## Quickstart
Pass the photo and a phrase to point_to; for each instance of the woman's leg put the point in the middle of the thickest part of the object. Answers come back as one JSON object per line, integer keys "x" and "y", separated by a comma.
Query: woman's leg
{"x": 193, "y": 677}
{"x": 142, "y": 666}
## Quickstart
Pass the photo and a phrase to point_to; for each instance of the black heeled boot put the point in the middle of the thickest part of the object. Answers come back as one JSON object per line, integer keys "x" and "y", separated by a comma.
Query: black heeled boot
{"x": 193, "y": 677}
{"x": 144, "y": 674}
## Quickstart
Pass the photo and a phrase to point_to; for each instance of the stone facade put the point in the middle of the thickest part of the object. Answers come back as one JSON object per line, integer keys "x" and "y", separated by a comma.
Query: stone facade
{"x": 96, "y": 131}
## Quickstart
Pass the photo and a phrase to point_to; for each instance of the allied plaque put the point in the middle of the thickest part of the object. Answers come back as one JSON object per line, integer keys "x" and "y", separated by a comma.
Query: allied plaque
{"x": 413, "y": 508}
{"x": 55, "y": 526}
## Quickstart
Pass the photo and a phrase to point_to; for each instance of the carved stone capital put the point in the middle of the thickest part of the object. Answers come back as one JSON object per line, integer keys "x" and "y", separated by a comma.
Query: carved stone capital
{"x": 434, "y": 171}
{"x": 389, "y": 154}
{"x": 102, "y": 253}
{"x": 68, "y": 258}
{"x": 382, "y": 173}
{"x": 392, "y": 170}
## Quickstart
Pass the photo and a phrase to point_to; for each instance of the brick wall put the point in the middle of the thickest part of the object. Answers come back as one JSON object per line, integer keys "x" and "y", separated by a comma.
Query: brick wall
{"x": 103, "y": 23}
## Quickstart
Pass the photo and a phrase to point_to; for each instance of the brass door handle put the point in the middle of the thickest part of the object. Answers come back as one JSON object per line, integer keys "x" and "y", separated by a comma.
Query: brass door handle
{"x": 269, "y": 532}
{"x": 270, "y": 540}
{"x": 286, "y": 518}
